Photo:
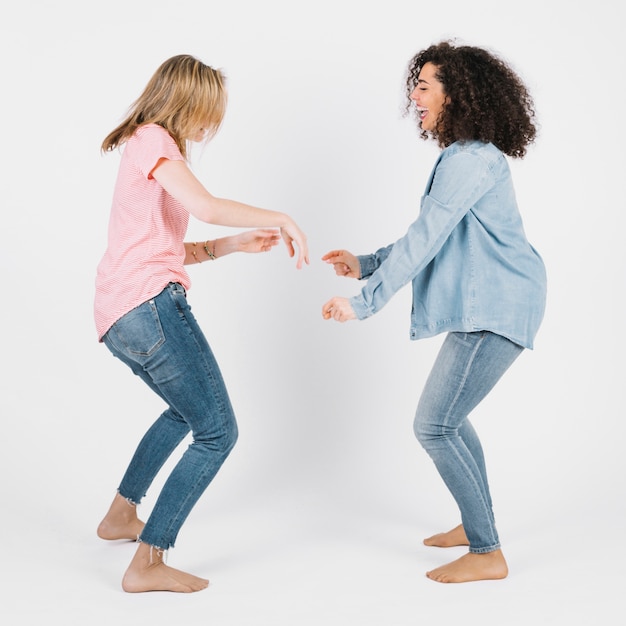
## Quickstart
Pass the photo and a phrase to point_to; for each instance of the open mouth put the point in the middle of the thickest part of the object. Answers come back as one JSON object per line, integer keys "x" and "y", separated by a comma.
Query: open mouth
{"x": 422, "y": 113}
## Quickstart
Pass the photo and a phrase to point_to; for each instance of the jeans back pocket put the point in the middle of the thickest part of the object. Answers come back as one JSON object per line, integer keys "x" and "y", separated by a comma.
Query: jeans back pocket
{"x": 139, "y": 332}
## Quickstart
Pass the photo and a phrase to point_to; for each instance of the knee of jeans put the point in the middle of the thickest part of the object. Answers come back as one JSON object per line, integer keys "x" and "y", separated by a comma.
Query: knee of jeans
{"x": 222, "y": 443}
{"x": 427, "y": 431}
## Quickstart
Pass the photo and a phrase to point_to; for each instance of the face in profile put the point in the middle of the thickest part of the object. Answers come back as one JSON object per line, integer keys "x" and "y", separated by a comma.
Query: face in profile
{"x": 429, "y": 97}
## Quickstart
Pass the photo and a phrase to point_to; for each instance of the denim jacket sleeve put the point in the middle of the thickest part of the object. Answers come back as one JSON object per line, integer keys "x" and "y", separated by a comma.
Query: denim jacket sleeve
{"x": 369, "y": 263}
{"x": 458, "y": 180}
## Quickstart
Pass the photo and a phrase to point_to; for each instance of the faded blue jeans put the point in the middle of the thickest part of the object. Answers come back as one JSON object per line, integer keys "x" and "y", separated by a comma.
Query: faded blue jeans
{"x": 465, "y": 371}
{"x": 162, "y": 343}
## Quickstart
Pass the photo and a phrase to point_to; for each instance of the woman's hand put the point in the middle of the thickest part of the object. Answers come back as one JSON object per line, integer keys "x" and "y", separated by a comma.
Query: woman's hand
{"x": 338, "y": 309}
{"x": 344, "y": 262}
{"x": 259, "y": 240}
{"x": 290, "y": 233}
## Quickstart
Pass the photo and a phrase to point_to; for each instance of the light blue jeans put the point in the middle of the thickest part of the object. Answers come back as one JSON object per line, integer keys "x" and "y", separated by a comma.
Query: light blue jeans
{"x": 162, "y": 343}
{"x": 465, "y": 371}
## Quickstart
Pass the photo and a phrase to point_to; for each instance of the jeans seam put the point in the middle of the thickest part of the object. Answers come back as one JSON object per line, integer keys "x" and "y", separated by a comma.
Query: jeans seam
{"x": 465, "y": 375}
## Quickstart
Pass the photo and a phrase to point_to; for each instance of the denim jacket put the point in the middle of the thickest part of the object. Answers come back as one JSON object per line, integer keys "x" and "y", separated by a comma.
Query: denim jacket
{"x": 467, "y": 255}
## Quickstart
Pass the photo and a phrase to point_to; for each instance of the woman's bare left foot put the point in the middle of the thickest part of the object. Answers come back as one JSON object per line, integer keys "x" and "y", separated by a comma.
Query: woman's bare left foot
{"x": 121, "y": 521}
{"x": 471, "y": 567}
{"x": 148, "y": 572}
{"x": 454, "y": 537}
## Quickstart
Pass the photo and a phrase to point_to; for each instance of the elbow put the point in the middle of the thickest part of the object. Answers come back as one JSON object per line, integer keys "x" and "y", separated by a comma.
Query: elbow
{"x": 205, "y": 209}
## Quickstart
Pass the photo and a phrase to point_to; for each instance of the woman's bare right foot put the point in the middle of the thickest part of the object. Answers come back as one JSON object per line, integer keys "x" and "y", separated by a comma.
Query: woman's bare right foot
{"x": 454, "y": 537}
{"x": 472, "y": 567}
{"x": 148, "y": 572}
{"x": 121, "y": 521}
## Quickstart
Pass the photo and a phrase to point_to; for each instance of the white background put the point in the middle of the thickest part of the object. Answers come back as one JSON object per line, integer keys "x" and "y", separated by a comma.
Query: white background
{"x": 318, "y": 515}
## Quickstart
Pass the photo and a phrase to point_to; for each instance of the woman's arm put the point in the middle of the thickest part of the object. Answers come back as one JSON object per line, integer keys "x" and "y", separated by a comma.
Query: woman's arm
{"x": 260, "y": 240}
{"x": 458, "y": 182}
{"x": 180, "y": 182}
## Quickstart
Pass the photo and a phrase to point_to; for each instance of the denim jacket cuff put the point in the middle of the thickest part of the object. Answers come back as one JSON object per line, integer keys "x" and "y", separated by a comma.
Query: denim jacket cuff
{"x": 360, "y": 308}
{"x": 368, "y": 265}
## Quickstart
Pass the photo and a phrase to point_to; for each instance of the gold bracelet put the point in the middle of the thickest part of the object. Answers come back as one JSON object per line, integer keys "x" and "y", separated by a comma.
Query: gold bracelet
{"x": 210, "y": 254}
{"x": 195, "y": 256}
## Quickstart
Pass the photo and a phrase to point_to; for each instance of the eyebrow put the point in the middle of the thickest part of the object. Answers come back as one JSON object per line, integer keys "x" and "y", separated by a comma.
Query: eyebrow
{"x": 421, "y": 80}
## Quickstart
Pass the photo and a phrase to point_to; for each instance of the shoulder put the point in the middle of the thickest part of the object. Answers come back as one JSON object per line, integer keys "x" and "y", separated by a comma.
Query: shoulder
{"x": 152, "y": 139}
{"x": 152, "y": 133}
{"x": 473, "y": 155}
{"x": 148, "y": 145}
{"x": 485, "y": 151}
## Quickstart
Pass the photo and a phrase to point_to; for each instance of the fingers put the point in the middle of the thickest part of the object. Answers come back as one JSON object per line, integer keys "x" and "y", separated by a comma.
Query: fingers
{"x": 259, "y": 240}
{"x": 288, "y": 242}
{"x": 268, "y": 241}
{"x": 272, "y": 240}
{"x": 341, "y": 269}
{"x": 327, "y": 310}
{"x": 338, "y": 309}
{"x": 268, "y": 244}
{"x": 303, "y": 249}
{"x": 303, "y": 257}
{"x": 332, "y": 312}
{"x": 344, "y": 263}
{"x": 334, "y": 256}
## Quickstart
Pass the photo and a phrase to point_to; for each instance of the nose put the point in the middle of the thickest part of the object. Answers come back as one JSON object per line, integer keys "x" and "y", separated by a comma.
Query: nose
{"x": 414, "y": 94}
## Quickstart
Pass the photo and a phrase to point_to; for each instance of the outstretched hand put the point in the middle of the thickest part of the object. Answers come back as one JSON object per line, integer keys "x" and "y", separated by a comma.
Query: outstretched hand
{"x": 338, "y": 309}
{"x": 344, "y": 262}
{"x": 259, "y": 240}
{"x": 291, "y": 233}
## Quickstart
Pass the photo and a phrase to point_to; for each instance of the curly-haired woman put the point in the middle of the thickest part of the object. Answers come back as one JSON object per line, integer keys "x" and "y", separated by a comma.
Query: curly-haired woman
{"x": 474, "y": 275}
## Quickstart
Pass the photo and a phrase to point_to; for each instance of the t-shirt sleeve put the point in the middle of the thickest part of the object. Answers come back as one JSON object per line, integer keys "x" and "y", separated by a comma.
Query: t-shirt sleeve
{"x": 151, "y": 144}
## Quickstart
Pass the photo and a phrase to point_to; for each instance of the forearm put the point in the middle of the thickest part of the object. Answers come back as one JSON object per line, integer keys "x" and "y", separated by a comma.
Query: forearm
{"x": 212, "y": 249}
{"x": 224, "y": 212}
{"x": 201, "y": 251}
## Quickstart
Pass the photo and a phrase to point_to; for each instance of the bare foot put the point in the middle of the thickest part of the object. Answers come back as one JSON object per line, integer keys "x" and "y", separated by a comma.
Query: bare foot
{"x": 148, "y": 572}
{"x": 470, "y": 567}
{"x": 121, "y": 521}
{"x": 454, "y": 537}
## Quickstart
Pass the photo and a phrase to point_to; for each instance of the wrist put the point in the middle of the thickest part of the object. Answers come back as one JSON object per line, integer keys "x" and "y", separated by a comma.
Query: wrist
{"x": 286, "y": 221}
{"x": 209, "y": 249}
{"x": 203, "y": 251}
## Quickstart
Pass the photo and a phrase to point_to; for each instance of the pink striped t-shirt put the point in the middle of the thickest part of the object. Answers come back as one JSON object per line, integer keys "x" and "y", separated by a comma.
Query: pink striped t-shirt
{"x": 147, "y": 227}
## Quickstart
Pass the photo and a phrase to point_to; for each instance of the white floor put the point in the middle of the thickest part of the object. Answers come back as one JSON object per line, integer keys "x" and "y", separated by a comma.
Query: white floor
{"x": 310, "y": 559}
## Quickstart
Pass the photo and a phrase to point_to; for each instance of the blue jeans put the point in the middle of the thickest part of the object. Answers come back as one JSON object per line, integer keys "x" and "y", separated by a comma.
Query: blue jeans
{"x": 162, "y": 343}
{"x": 465, "y": 371}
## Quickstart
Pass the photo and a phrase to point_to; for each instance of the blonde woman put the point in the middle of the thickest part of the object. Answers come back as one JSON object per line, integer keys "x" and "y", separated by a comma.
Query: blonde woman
{"x": 142, "y": 314}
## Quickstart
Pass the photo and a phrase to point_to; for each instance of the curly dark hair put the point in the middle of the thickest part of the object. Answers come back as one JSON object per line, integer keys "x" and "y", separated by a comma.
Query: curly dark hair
{"x": 487, "y": 100}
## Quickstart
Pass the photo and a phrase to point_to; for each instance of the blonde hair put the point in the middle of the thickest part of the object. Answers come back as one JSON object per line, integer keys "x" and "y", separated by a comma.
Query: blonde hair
{"x": 183, "y": 96}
